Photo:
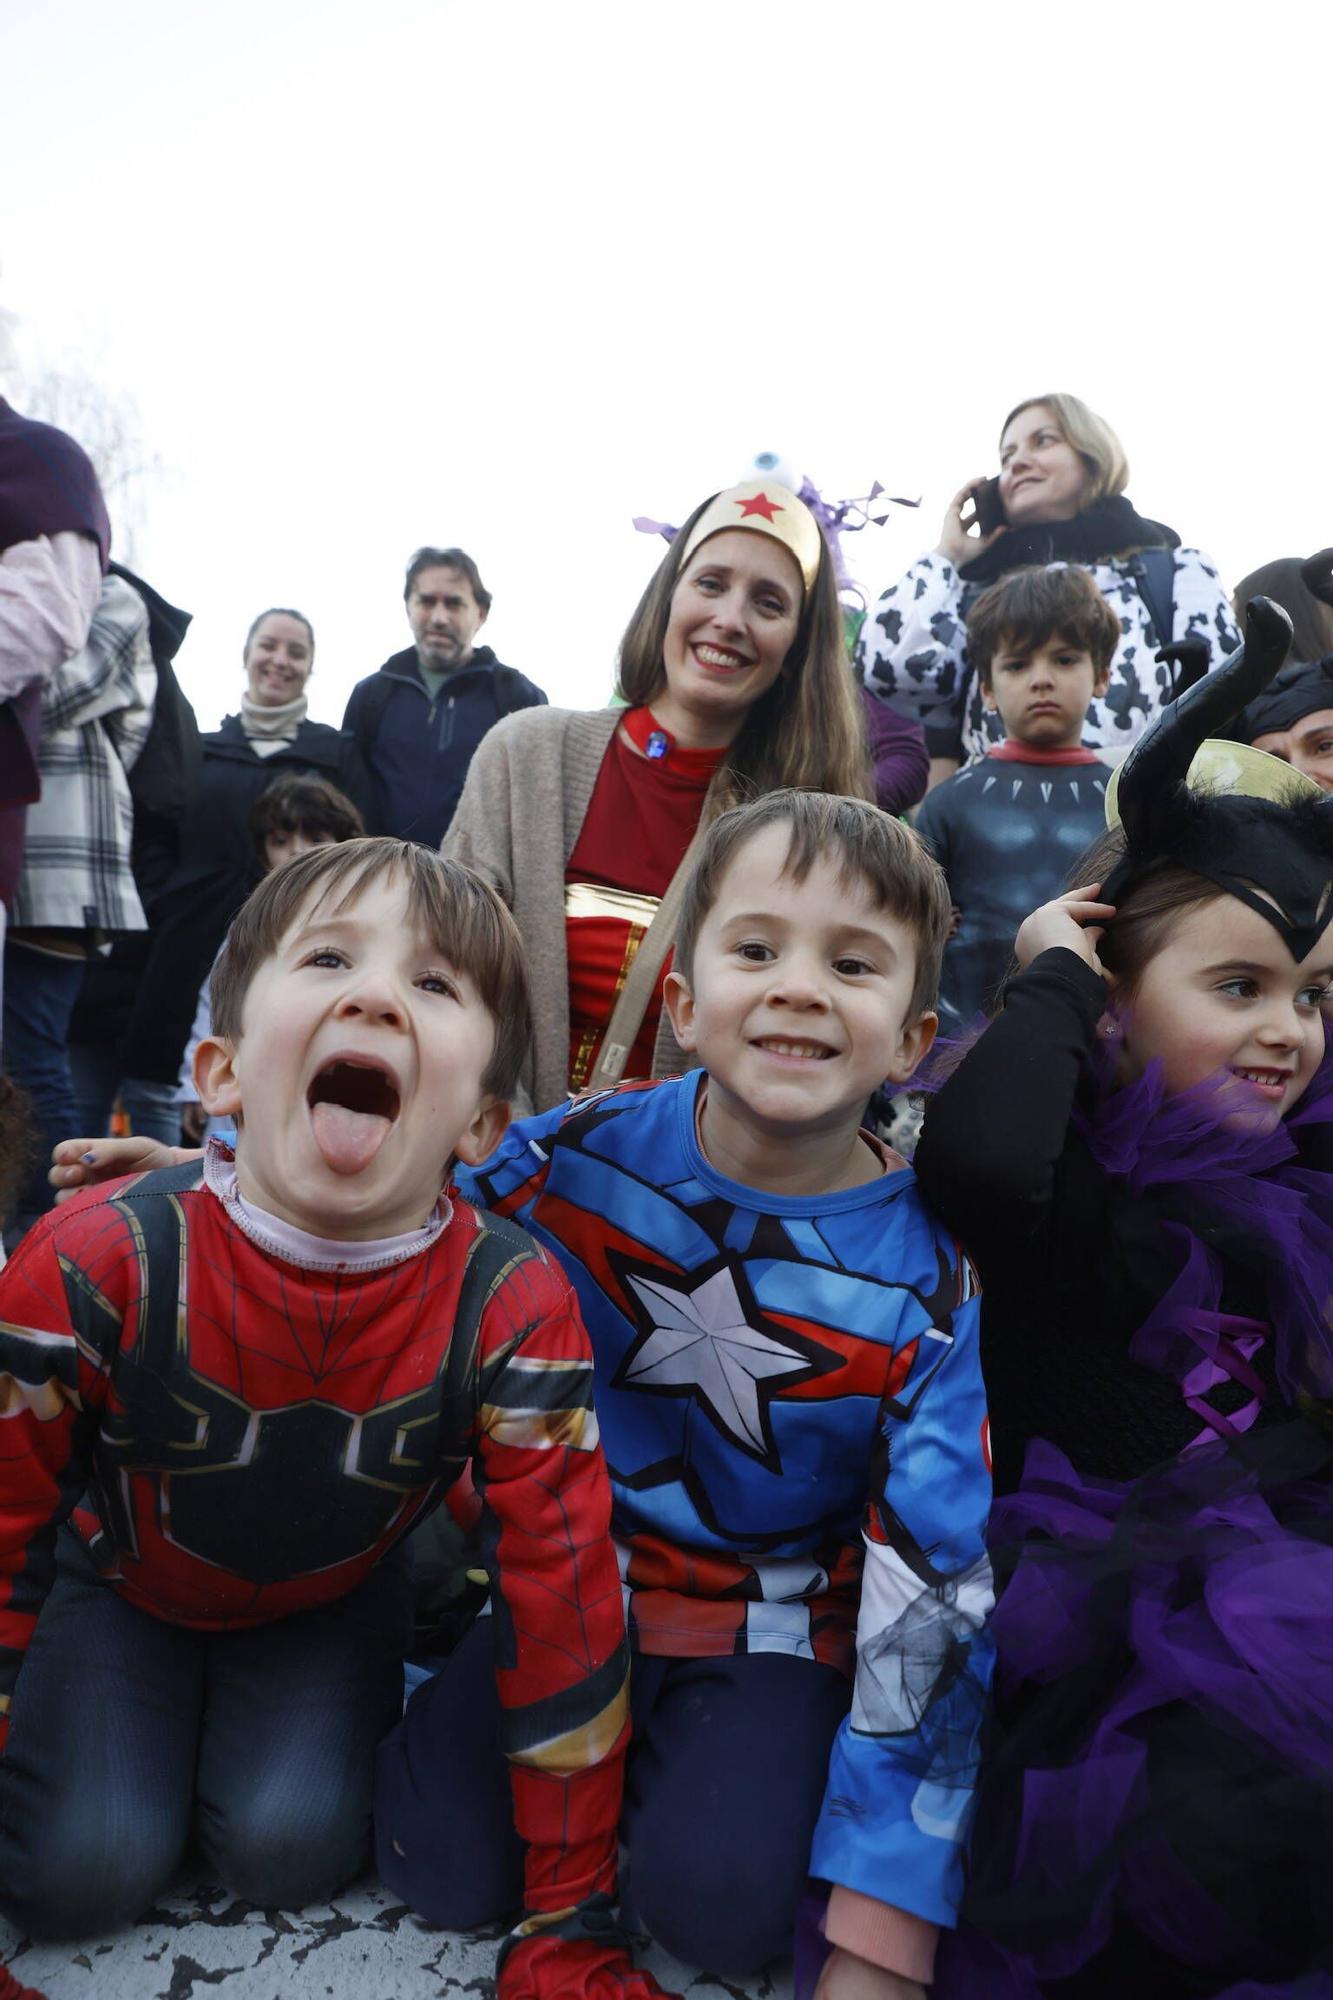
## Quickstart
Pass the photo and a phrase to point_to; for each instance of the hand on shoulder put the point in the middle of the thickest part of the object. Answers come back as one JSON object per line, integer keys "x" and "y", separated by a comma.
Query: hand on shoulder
{"x": 81, "y": 1163}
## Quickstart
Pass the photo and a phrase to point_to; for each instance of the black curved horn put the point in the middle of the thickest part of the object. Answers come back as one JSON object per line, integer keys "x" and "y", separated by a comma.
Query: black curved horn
{"x": 1317, "y": 575}
{"x": 1153, "y": 772}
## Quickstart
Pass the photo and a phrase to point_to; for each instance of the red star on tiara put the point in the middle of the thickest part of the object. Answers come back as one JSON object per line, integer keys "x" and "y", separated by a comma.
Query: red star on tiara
{"x": 759, "y": 503}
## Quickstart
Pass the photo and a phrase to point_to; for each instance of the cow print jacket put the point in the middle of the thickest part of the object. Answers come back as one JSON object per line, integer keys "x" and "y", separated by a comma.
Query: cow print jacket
{"x": 913, "y": 651}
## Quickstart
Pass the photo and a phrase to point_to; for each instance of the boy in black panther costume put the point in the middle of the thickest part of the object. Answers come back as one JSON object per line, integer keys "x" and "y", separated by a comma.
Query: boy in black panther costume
{"x": 1008, "y": 829}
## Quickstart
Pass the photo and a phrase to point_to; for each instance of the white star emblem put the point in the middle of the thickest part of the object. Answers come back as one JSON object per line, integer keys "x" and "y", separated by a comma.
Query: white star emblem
{"x": 700, "y": 1343}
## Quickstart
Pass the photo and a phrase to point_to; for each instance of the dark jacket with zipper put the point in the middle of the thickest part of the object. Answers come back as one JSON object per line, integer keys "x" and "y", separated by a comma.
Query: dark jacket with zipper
{"x": 418, "y": 747}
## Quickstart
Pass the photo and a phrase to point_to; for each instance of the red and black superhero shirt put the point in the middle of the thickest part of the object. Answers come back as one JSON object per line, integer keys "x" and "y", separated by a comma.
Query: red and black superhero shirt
{"x": 254, "y": 1435}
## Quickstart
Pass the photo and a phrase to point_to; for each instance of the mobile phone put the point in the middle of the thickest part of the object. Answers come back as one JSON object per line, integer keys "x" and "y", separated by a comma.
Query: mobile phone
{"x": 989, "y": 506}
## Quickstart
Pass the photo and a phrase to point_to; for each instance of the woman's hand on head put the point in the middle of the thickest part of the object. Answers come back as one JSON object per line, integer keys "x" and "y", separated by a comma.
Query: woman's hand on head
{"x": 954, "y": 541}
{"x": 81, "y": 1163}
{"x": 1072, "y": 922}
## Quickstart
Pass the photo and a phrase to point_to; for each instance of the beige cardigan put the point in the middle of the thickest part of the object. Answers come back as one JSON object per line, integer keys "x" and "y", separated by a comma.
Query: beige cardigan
{"x": 517, "y": 823}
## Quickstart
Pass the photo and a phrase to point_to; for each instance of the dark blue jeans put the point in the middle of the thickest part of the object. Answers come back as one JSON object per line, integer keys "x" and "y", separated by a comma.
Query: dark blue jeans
{"x": 39, "y": 995}
{"x": 723, "y": 1785}
{"x": 152, "y": 1108}
{"x": 129, "y": 1736}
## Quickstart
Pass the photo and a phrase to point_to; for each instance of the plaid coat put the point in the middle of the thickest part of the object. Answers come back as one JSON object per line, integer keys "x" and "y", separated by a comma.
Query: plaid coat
{"x": 96, "y": 713}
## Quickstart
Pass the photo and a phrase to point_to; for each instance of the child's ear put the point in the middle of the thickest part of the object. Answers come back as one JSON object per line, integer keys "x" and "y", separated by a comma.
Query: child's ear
{"x": 1102, "y": 680}
{"x": 215, "y": 1078}
{"x": 485, "y": 1132}
{"x": 915, "y": 1041}
{"x": 988, "y": 696}
{"x": 679, "y": 1003}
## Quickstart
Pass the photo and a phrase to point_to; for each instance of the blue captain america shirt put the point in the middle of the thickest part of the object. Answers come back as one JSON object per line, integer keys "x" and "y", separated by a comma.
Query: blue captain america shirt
{"x": 790, "y": 1402}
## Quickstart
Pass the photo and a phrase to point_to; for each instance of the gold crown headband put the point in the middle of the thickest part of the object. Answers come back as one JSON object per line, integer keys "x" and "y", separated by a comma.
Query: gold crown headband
{"x": 768, "y": 509}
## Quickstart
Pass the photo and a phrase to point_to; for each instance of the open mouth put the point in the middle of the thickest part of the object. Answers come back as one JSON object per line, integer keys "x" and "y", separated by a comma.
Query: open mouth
{"x": 353, "y": 1104}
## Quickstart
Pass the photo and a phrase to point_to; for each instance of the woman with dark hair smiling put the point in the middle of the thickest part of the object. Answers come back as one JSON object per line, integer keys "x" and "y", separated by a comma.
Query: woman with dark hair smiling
{"x": 1059, "y": 497}
{"x": 736, "y": 676}
{"x": 271, "y": 736}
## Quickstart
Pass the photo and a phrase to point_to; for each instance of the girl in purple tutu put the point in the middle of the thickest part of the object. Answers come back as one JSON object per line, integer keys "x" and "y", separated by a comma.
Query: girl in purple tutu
{"x": 1139, "y": 1154}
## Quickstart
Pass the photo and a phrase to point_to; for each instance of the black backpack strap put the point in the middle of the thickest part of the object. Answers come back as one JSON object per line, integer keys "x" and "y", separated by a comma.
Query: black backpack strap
{"x": 167, "y": 1180}
{"x": 446, "y": 1593}
{"x": 1155, "y": 580}
{"x": 158, "y": 1219}
{"x": 497, "y": 1246}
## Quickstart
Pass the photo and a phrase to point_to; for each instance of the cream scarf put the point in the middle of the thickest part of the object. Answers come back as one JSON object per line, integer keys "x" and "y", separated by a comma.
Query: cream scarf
{"x": 267, "y": 729}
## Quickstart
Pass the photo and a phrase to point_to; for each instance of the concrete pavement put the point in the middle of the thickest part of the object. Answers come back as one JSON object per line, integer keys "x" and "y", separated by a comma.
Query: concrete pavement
{"x": 199, "y": 1944}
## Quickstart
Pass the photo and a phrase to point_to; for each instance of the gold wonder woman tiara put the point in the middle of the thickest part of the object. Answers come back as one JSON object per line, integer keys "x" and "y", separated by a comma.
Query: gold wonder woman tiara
{"x": 768, "y": 509}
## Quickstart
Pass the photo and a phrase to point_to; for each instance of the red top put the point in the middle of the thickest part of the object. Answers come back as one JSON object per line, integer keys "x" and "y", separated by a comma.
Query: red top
{"x": 256, "y": 1454}
{"x": 640, "y": 819}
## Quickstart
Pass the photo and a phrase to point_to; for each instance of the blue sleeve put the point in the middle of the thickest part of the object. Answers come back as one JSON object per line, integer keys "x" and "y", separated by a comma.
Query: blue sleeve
{"x": 903, "y": 1767}
{"x": 522, "y": 1156}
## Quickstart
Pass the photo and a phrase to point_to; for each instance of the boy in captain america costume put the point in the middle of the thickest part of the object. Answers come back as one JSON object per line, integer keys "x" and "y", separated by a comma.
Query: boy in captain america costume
{"x": 262, "y": 1374}
{"x": 788, "y": 1382}
{"x": 789, "y": 1393}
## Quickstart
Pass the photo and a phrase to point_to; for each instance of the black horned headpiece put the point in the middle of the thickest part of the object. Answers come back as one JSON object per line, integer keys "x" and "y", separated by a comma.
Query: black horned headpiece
{"x": 1270, "y": 845}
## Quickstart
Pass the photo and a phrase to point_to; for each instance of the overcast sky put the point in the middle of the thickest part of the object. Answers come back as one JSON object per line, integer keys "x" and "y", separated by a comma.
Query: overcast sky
{"x": 507, "y": 275}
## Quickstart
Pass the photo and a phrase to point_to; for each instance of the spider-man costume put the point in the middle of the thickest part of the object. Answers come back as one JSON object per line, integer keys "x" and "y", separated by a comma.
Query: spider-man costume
{"x": 790, "y": 1399}
{"x": 254, "y": 1434}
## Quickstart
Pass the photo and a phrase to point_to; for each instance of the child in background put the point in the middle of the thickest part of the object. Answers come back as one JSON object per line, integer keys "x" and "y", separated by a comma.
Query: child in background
{"x": 263, "y": 1374}
{"x": 297, "y": 813}
{"x": 1137, "y": 1151}
{"x": 1009, "y": 829}
{"x": 790, "y": 1398}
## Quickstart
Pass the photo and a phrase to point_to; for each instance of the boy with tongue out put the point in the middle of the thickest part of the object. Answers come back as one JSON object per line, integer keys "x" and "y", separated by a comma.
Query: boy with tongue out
{"x": 258, "y": 1374}
{"x": 789, "y": 1389}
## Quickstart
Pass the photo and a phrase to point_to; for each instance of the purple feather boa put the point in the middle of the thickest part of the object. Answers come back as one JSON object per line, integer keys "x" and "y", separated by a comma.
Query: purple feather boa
{"x": 1248, "y": 1188}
